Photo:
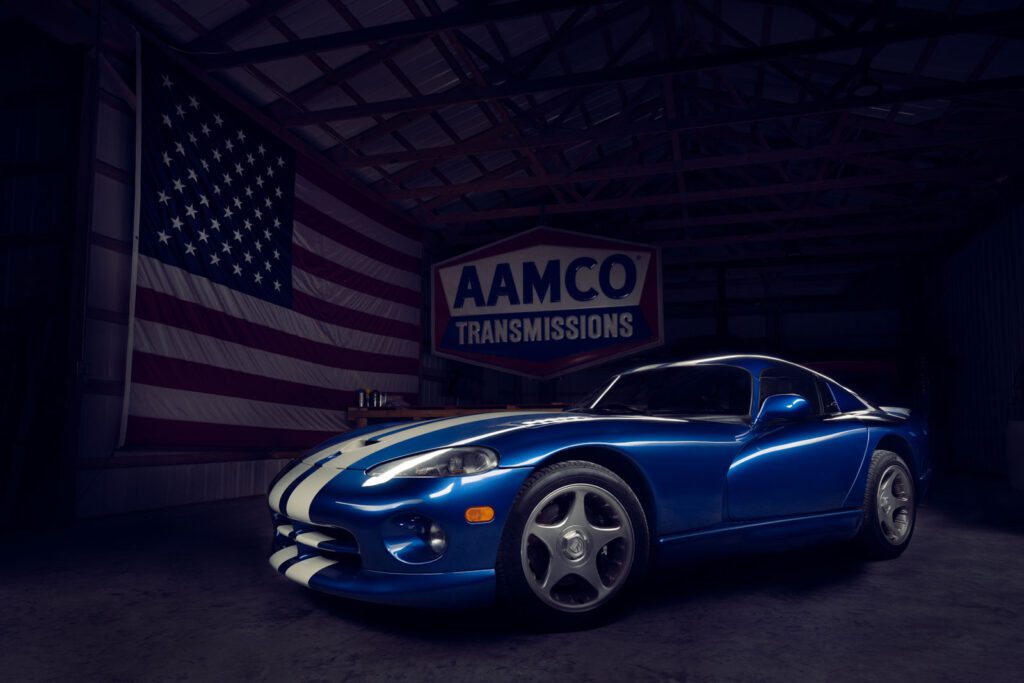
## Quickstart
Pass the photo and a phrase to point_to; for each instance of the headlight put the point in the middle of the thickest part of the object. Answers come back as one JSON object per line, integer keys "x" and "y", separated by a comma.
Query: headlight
{"x": 444, "y": 462}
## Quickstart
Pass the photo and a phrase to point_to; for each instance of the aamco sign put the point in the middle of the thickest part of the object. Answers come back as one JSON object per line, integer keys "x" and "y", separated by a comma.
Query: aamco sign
{"x": 547, "y": 301}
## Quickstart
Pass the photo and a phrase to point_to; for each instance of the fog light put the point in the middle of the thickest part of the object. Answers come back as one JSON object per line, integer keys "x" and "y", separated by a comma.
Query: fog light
{"x": 436, "y": 538}
{"x": 480, "y": 514}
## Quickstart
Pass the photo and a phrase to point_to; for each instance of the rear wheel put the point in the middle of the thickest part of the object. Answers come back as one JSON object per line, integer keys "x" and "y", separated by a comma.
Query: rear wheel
{"x": 890, "y": 507}
{"x": 576, "y": 542}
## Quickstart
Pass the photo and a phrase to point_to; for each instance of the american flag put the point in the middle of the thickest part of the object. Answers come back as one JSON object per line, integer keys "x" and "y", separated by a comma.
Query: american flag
{"x": 263, "y": 299}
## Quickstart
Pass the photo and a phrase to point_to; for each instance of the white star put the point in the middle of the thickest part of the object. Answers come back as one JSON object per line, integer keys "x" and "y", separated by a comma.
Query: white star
{"x": 214, "y": 259}
{"x": 237, "y": 202}
{"x": 215, "y": 224}
{"x": 206, "y": 166}
{"x": 261, "y": 149}
{"x": 277, "y": 286}
{"x": 238, "y": 169}
{"x": 248, "y": 191}
{"x": 167, "y": 159}
{"x": 258, "y": 278}
{"x": 179, "y": 110}
{"x": 176, "y": 223}
{"x": 277, "y": 223}
{"x": 163, "y": 237}
{"x": 227, "y": 179}
{"x": 192, "y": 138}
{"x": 225, "y": 247}
{"x": 259, "y": 214}
{"x": 259, "y": 180}
{"x": 163, "y": 197}
{"x": 203, "y": 201}
{"x": 241, "y": 136}
{"x": 280, "y": 162}
{"x": 228, "y": 213}
{"x": 193, "y": 102}
{"x": 250, "y": 158}
{"x": 277, "y": 192}
{"x": 230, "y": 145}
{"x": 259, "y": 246}
{"x": 178, "y": 185}
{"x": 266, "y": 266}
{"x": 238, "y": 236}
{"x": 205, "y": 129}
{"x": 248, "y": 257}
{"x": 203, "y": 235}
{"x": 277, "y": 254}
{"x": 216, "y": 154}
{"x": 192, "y": 175}
{"x": 166, "y": 119}
{"x": 190, "y": 248}
{"x": 179, "y": 148}
{"x": 167, "y": 81}
{"x": 248, "y": 224}
{"x": 190, "y": 211}
{"x": 216, "y": 189}
{"x": 237, "y": 268}
{"x": 266, "y": 202}
{"x": 266, "y": 234}
{"x": 218, "y": 120}
{"x": 270, "y": 171}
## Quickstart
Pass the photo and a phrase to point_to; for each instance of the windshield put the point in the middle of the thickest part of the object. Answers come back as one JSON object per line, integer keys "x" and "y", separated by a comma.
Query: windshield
{"x": 692, "y": 390}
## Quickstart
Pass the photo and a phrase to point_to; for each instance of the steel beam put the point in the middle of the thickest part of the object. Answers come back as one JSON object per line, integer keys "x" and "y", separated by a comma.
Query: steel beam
{"x": 934, "y": 27}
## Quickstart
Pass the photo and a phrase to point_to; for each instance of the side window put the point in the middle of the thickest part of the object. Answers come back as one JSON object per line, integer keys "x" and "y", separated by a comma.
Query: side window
{"x": 783, "y": 380}
{"x": 829, "y": 405}
{"x": 846, "y": 402}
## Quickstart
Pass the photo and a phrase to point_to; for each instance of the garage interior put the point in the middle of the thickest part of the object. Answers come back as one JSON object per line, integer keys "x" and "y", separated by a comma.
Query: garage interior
{"x": 833, "y": 182}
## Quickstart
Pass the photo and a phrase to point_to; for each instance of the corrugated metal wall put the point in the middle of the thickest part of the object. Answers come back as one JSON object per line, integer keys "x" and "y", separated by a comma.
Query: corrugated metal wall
{"x": 978, "y": 318}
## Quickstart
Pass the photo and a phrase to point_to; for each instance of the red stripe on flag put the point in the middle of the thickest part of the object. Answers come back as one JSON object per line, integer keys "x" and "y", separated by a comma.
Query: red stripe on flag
{"x": 344, "y": 190}
{"x": 341, "y": 233}
{"x": 340, "y": 275}
{"x": 152, "y": 431}
{"x": 357, "y": 320}
{"x": 166, "y": 309}
{"x": 161, "y": 371}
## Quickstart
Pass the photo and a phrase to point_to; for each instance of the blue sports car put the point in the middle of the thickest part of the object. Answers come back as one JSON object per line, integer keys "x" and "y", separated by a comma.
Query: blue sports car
{"x": 559, "y": 514}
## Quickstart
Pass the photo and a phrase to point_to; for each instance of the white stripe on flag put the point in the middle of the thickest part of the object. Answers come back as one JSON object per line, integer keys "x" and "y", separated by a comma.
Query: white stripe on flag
{"x": 330, "y": 205}
{"x": 173, "y": 281}
{"x": 174, "y": 342}
{"x": 321, "y": 245}
{"x": 192, "y": 406}
{"x": 357, "y": 301}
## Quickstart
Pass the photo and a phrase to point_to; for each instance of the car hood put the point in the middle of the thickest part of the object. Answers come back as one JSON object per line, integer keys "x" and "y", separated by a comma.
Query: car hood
{"x": 368, "y": 447}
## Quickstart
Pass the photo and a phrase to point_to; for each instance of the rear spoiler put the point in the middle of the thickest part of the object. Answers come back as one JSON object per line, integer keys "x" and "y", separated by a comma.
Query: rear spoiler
{"x": 903, "y": 413}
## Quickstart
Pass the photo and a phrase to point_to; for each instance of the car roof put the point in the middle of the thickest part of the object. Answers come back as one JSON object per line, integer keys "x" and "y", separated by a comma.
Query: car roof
{"x": 752, "y": 363}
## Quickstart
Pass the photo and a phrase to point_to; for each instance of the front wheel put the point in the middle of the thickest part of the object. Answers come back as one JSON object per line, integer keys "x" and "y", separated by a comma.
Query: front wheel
{"x": 576, "y": 542}
{"x": 890, "y": 507}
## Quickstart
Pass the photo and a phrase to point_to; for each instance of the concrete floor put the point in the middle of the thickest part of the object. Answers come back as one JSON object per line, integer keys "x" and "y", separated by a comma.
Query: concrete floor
{"x": 186, "y": 594}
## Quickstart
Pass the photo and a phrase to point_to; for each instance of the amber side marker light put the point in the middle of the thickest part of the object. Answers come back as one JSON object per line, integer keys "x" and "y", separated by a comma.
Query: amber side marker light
{"x": 479, "y": 515}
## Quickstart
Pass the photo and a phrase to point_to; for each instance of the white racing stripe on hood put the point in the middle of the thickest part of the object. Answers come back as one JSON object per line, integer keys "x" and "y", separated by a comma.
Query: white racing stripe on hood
{"x": 298, "y": 503}
{"x": 347, "y": 443}
{"x": 353, "y": 455}
{"x": 289, "y": 478}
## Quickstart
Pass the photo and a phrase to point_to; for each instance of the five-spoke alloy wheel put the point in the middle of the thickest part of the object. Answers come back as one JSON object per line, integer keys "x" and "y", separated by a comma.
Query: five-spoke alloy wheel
{"x": 889, "y": 507}
{"x": 576, "y": 540}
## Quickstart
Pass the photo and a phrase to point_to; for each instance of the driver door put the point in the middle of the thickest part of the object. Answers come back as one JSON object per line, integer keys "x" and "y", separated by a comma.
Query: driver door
{"x": 797, "y": 466}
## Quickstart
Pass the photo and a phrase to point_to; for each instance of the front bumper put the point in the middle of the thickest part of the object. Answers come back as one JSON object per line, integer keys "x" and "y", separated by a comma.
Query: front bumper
{"x": 352, "y": 540}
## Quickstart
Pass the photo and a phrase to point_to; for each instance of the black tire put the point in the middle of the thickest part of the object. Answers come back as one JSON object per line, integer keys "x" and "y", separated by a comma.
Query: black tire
{"x": 879, "y": 537}
{"x": 598, "y": 487}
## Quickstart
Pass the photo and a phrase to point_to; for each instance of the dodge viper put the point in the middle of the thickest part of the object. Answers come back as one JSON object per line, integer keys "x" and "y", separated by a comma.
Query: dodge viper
{"x": 560, "y": 514}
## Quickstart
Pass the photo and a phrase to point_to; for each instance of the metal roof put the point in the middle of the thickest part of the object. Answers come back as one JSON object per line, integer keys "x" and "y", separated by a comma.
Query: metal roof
{"x": 733, "y": 133}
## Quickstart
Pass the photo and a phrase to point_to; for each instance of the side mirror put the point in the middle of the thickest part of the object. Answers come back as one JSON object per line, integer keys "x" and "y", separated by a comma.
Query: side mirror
{"x": 783, "y": 407}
